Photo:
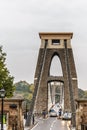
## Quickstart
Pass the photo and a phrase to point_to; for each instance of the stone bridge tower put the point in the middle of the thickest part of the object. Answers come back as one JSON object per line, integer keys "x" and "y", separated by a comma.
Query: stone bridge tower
{"x": 55, "y": 44}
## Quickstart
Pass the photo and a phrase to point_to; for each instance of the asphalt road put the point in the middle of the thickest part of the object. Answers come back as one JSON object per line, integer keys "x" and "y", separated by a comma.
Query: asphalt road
{"x": 52, "y": 123}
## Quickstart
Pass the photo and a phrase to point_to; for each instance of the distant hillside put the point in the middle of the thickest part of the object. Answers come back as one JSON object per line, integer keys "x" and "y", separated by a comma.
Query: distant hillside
{"x": 82, "y": 93}
{"x": 22, "y": 86}
{"x": 25, "y": 90}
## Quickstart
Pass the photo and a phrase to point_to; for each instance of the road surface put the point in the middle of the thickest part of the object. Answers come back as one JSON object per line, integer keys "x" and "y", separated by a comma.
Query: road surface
{"x": 52, "y": 123}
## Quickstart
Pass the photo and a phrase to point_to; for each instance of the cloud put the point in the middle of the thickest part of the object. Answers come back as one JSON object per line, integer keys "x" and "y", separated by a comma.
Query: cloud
{"x": 22, "y": 20}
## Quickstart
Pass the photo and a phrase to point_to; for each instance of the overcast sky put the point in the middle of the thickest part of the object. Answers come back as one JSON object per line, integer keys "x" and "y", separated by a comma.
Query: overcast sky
{"x": 22, "y": 20}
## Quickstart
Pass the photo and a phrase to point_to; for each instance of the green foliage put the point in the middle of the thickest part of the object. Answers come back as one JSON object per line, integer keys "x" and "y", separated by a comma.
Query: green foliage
{"x": 26, "y": 90}
{"x": 82, "y": 94}
{"x": 22, "y": 86}
{"x": 31, "y": 88}
{"x": 85, "y": 94}
{"x": 28, "y": 96}
{"x": 6, "y": 80}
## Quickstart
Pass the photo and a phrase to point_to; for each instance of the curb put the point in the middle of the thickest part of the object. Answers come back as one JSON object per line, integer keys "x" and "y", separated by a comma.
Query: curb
{"x": 33, "y": 126}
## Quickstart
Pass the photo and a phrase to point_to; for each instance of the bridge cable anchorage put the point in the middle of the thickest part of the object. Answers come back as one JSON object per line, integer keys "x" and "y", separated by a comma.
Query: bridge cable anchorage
{"x": 37, "y": 84}
{"x": 70, "y": 86}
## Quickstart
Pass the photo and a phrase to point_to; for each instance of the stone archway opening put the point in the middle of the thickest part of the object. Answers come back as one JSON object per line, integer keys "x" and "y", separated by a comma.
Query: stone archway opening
{"x": 55, "y": 67}
{"x": 55, "y": 88}
{"x": 55, "y": 95}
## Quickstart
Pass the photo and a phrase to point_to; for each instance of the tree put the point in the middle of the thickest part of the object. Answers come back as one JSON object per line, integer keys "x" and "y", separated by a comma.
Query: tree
{"x": 31, "y": 88}
{"x": 6, "y": 80}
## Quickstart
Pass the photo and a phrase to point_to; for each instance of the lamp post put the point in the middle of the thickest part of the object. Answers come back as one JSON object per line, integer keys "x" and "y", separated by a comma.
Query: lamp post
{"x": 2, "y": 95}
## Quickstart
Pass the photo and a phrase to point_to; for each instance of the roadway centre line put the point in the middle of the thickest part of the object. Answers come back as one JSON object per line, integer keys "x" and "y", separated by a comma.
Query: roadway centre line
{"x": 52, "y": 124}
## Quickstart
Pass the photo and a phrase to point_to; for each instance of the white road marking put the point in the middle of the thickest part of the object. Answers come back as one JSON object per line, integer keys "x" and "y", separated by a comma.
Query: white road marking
{"x": 52, "y": 124}
{"x": 35, "y": 126}
{"x": 41, "y": 122}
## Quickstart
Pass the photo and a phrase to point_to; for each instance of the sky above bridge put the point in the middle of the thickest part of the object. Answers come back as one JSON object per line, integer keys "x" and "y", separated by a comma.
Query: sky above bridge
{"x": 22, "y": 20}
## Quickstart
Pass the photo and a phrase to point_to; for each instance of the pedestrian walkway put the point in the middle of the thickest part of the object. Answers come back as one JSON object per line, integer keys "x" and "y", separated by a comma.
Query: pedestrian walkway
{"x": 37, "y": 119}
